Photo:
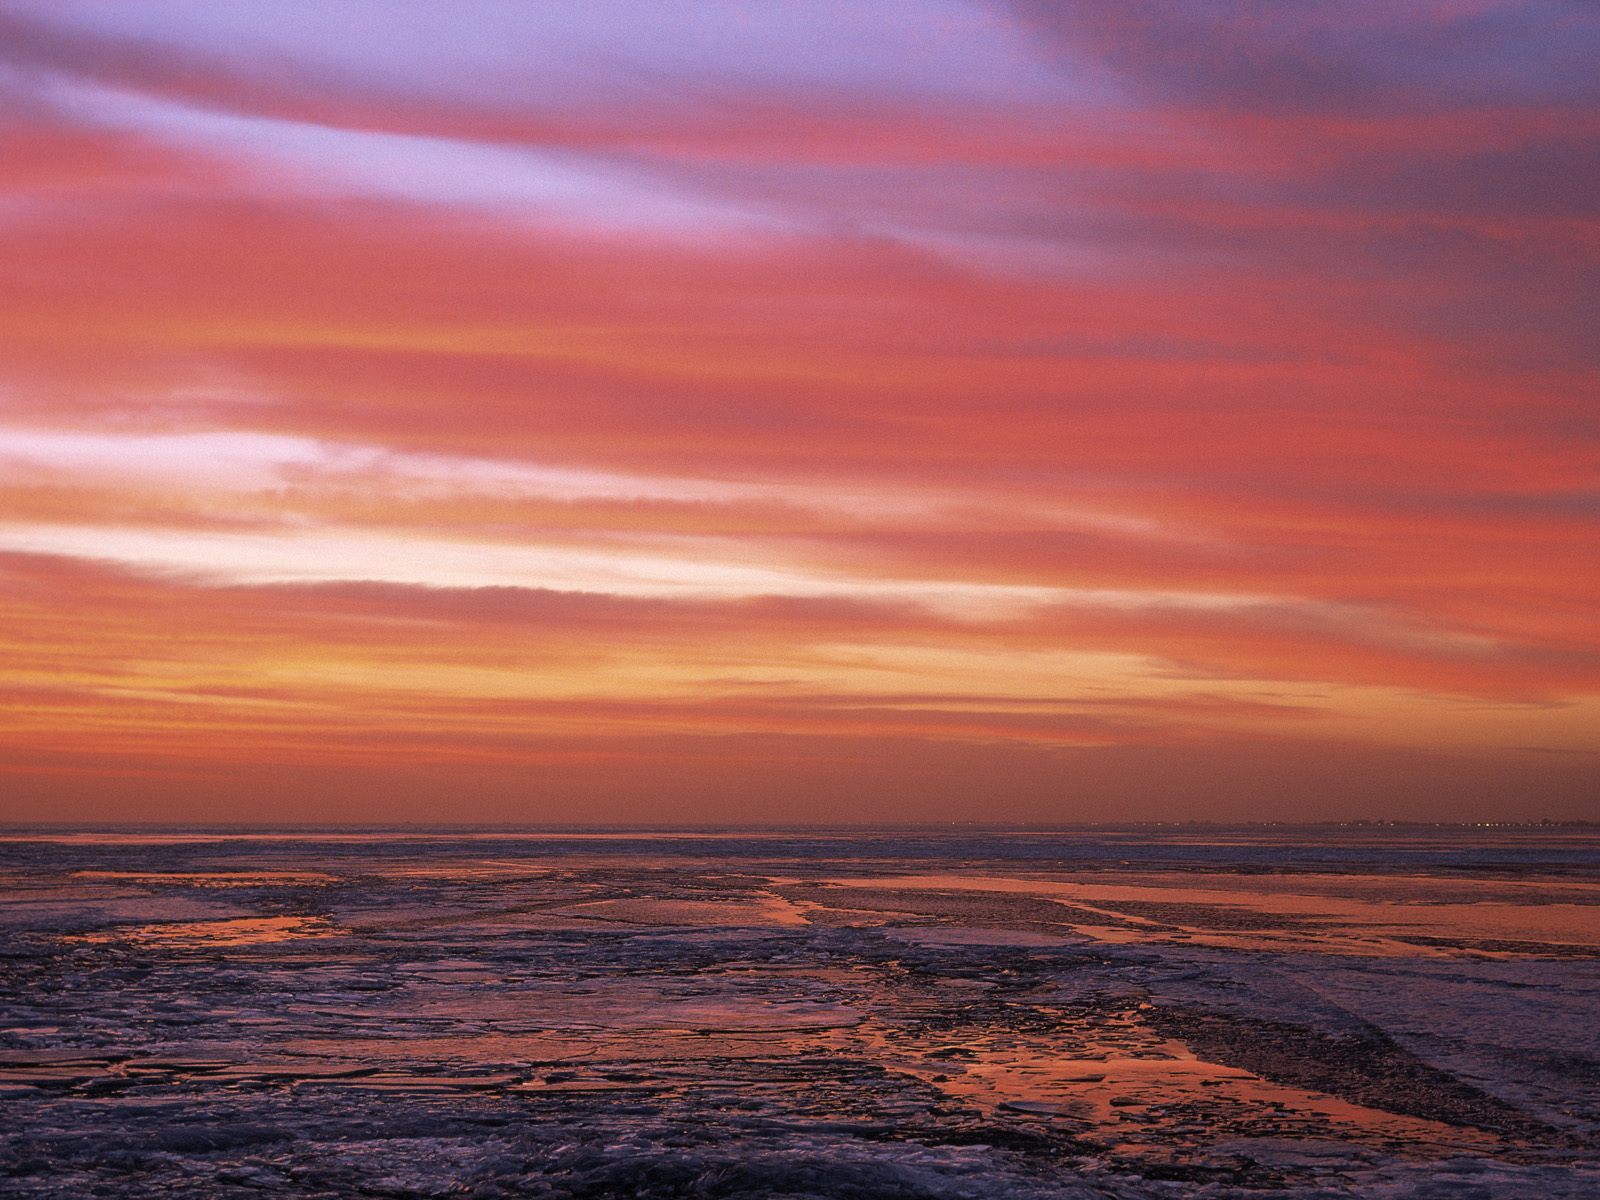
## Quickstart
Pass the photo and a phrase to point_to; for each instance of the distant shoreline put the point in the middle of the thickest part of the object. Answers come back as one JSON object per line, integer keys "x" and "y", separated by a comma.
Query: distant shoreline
{"x": 13, "y": 830}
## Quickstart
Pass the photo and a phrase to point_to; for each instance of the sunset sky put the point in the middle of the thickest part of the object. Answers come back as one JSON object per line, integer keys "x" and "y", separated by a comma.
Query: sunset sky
{"x": 919, "y": 410}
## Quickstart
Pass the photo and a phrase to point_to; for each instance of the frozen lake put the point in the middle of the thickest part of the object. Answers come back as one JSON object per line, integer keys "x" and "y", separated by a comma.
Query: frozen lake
{"x": 1111, "y": 1013}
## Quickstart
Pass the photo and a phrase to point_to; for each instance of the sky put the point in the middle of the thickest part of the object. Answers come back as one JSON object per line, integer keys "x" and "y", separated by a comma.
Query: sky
{"x": 708, "y": 411}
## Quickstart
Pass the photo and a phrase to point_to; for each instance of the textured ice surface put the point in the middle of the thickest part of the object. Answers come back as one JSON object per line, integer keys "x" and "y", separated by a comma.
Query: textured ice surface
{"x": 1109, "y": 1014}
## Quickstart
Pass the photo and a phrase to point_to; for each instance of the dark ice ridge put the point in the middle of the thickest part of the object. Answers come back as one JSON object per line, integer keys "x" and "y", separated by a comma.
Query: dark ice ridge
{"x": 461, "y": 1017}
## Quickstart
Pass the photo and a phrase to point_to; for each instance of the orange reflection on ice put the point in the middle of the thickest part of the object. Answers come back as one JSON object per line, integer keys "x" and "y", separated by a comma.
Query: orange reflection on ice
{"x": 241, "y": 931}
{"x": 212, "y": 878}
{"x": 1418, "y": 916}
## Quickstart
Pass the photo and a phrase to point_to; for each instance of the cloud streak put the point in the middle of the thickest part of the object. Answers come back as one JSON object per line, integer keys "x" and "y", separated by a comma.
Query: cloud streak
{"x": 1047, "y": 391}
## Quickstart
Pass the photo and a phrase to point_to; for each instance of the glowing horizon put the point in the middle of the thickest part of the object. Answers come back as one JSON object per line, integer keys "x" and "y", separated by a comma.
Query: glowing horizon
{"x": 798, "y": 412}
